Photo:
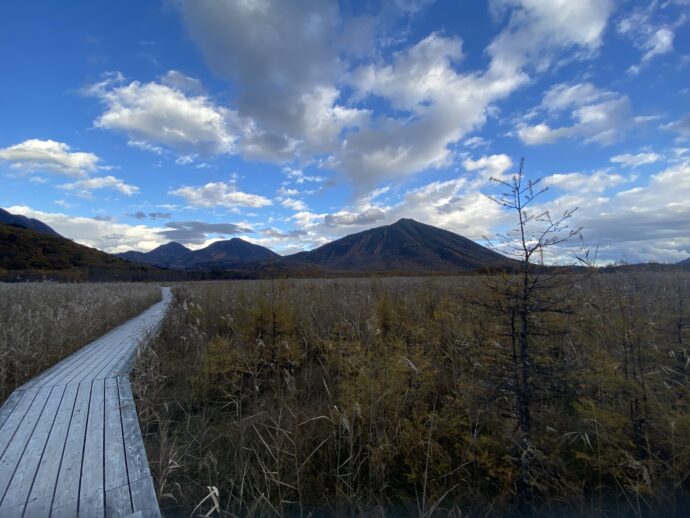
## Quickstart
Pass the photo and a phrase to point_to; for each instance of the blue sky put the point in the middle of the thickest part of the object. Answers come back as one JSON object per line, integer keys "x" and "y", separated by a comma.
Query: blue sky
{"x": 129, "y": 124}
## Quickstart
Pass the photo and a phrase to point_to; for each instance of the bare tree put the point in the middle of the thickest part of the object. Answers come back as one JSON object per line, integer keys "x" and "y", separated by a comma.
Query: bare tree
{"x": 523, "y": 297}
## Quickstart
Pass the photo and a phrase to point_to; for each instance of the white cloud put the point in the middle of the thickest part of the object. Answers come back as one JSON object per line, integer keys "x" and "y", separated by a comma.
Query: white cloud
{"x": 366, "y": 217}
{"x": 219, "y": 194}
{"x": 681, "y": 126}
{"x": 637, "y": 160}
{"x": 37, "y": 155}
{"x": 101, "y": 182}
{"x": 157, "y": 114}
{"x": 489, "y": 166}
{"x": 585, "y": 183}
{"x": 647, "y": 34}
{"x": 537, "y": 29}
{"x": 596, "y": 115}
{"x": 293, "y": 62}
{"x": 645, "y": 222}
{"x": 296, "y": 205}
{"x": 98, "y": 233}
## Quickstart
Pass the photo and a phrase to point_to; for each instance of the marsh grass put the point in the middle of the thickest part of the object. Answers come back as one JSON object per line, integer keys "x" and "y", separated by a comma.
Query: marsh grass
{"x": 394, "y": 398}
{"x": 41, "y": 323}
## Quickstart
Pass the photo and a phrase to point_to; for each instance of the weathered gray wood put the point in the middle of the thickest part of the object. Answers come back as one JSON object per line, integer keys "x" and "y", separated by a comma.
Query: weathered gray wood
{"x": 118, "y": 501}
{"x": 137, "y": 465}
{"x": 25, "y": 473}
{"x": 115, "y": 462}
{"x": 13, "y": 421}
{"x": 144, "y": 498}
{"x": 15, "y": 449}
{"x": 49, "y": 467}
{"x": 70, "y": 442}
{"x": 91, "y": 490}
{"x": 67, "y": 487}
{"x": 9, "y": 405}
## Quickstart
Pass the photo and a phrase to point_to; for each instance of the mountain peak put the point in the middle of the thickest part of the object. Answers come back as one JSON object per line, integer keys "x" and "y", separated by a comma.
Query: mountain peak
{"x": 406, "y": 245}
{"x": 22, "y": 221}
{"x": 172, "y": 246}
{"x": 404, "y": 221}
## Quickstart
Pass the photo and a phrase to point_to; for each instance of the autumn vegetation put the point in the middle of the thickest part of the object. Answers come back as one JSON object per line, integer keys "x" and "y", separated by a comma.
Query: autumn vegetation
{"x": 400, "y": 397}
{"x": 41, "y": 323}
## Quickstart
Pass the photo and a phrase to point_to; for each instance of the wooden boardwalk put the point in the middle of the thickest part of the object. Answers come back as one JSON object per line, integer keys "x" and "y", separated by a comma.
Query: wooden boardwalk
{"x": 70, "y": 443}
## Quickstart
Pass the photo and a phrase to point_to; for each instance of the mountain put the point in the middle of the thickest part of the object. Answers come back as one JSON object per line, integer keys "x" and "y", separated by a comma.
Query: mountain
{"x": 27, "y": 253}
{"x": 405, "y": 246}
{"x": 16, "y": 220}
{"x": 684, "y": 262}
{"x": 233, "y": 253}
{"x": 164, "y": 256}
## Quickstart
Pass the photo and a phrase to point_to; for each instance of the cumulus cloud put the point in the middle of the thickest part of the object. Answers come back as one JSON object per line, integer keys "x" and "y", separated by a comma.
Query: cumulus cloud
{"x": 158, "y": 114}
{"x": 97, "y": 233}
{"x": 596, "y": 115}
{"x": 585, "y": 183}
{"x": 151, "y": 215}
{"x": 84, "y": 187}
{"x": 645, "y": 222}
{"x": 275, "y": 233}
{"x": 650, "y": 36}
{"x": 636, "y": 160}
{"x": 366, "y": 217}
{"x": 35, "y": 155}
{"x": 291, "y": 203}
{"x": 197, "y": 232}
{"x": 285, "y": 59}
{"x": 681, "y": 126}
{"x": 219, "y": 194}
{"x": 294, "y": 65}
{"x": 537, "y": 30}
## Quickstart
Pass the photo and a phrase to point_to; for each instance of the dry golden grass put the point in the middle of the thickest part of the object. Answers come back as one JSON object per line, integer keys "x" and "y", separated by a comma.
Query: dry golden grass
{"x": 41, "y": 323}
{"x": 395, "y": 397}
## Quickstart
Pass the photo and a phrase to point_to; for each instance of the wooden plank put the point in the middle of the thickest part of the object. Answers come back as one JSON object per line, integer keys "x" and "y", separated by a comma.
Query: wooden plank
{"x": 49, "y": 467}
{"x": 67, "y": 488}
{"x": 15, "y": 449}
{"x": 13, "y": 512}
{"x": 15, "y": 418}
{"x": 27, "y": 468}
{"x": 91, "y": 489}
{"x": 144, "y": 498}
{"x": 137, "y": 464}
{"x": 115, "y": 460}
{"x": 118, "y": 501}
{"x": 9, "y": 405}
{"x": 71, "y": 443}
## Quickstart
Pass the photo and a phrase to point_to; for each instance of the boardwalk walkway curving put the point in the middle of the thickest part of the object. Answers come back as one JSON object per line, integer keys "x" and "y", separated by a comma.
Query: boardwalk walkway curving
{"x": 70, "y": 443}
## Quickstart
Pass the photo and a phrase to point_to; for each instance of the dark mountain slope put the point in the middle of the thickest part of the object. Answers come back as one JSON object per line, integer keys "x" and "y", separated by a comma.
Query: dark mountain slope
{"x": 406, "y": 245}
{"x": 165, "y": 256}
{"x": 27, "y": 253}
{"x": 22, "y": 221}
{"x": 221, "y": 254}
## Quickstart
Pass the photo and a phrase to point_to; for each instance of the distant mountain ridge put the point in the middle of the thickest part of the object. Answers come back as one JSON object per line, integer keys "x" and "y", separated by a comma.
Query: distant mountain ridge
{"x": 26, "y": 253}
{"x": 684, "y": 261}
{"x": 232, "y": 253}
{"x": 22, "y": 221}
{"x": 406, "y": 245}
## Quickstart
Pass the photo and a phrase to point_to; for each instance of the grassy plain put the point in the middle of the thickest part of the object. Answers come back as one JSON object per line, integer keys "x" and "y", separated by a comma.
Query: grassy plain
{"x": 41, "y": 323}
{"x": 398, "y": 397}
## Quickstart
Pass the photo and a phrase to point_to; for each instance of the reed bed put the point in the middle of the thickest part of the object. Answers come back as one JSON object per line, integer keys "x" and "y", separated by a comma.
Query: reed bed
{"x": 41, "y": 323}
{"x": 395, "y": 397}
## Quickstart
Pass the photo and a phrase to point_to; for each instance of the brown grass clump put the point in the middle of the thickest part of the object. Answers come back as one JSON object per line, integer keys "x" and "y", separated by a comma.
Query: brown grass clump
{"x": 41, "y": 323}
{"x": 396, "y": 397}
